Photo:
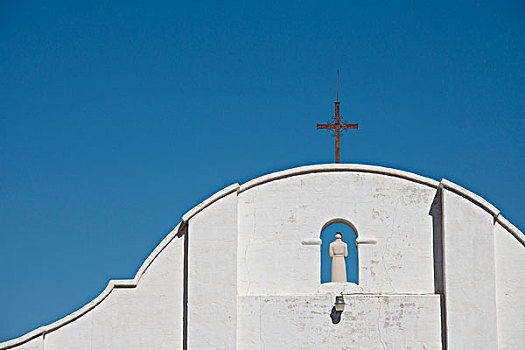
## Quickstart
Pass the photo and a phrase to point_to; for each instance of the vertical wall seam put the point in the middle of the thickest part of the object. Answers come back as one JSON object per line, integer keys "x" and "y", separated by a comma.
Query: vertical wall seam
{"x": 236, "y": 268}
{"x": 443, "y": 298}
{"x": 495, "y": 277}
{"x": 237, "y": 271}
{"x": 185, "y": 291}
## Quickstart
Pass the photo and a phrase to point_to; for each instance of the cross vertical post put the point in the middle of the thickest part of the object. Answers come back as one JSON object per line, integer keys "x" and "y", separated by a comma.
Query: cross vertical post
{"x": 337, "y": 126}
{"x": 337, "y": 134}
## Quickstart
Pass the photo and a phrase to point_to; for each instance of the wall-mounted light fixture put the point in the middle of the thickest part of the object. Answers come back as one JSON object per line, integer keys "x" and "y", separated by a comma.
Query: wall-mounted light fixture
{"x": 339, "y": 303}
{"x": 337, "y": 309}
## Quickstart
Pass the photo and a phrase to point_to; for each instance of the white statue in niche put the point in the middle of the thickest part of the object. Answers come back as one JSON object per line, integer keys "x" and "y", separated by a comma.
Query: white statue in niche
{"x": 338, "y": 251}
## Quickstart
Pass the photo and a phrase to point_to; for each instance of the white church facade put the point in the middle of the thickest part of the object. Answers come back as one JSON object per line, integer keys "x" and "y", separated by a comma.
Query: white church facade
{"x": 424, "y": 264}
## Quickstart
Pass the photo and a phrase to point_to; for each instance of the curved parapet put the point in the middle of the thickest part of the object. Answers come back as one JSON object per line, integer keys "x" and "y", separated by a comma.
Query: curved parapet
{"x": 178, "y": 231}
{"x": 324, "y": 168}
{"x": 390, "y": 177}
{"x": 374, "y": 169}
{"x": 112, "y": 285}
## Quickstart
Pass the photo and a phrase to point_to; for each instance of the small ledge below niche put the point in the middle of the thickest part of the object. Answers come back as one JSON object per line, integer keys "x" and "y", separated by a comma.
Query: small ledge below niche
{"x": 312, "y": 241}
{"x": 360, "y": 240}
{"x": 340, "y": 287}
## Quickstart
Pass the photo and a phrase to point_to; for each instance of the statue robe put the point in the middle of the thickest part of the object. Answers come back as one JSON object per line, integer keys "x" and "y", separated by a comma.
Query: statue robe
{"x": 338, "y": 251}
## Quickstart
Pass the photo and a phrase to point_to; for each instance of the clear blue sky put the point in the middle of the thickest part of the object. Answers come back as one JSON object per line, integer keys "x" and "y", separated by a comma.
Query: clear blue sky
{"x": 117, "y": 117}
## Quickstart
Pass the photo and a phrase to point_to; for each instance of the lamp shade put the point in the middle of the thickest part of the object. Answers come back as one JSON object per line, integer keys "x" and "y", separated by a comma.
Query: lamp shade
{"x": 339, "y": 303}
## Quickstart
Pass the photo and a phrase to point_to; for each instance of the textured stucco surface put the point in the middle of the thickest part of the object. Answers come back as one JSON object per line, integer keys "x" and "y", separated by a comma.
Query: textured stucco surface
{"x": 253, "y": 263}
{"x": 34, "y": 344}
{"x": 510, "y": 289}
{"x": 470, "y": 284}
{"x": 368, "y": 322}
{"x": 148, "y": 316}
{"x": 212, "y": 297}
{"x": 275, "y": 217}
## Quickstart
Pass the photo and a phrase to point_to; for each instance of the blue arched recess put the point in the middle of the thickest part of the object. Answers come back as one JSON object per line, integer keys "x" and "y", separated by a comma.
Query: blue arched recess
{"x": 349, "y": 237}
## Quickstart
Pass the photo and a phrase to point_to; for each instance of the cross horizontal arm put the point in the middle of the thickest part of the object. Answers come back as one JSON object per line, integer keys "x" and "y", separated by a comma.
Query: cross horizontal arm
{"x": 325, "y": 126}
{"x": 337, "y": 126}
{"x": 349, "y": 126}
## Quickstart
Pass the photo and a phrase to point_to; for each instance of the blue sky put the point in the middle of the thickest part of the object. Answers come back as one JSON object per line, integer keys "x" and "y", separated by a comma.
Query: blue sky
{"x": 117, "y": 117}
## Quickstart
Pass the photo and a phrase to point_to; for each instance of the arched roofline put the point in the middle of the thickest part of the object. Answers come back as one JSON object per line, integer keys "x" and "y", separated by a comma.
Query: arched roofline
{"x": 180, "y": 229}
{"x": 326, "y": 168}
{"x": 374, "y": 169}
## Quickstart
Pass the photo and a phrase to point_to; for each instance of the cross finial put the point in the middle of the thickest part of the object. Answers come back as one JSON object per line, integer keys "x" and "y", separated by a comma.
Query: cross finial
{"x": 337, "y": 99}
{"x": 337, "y": 125}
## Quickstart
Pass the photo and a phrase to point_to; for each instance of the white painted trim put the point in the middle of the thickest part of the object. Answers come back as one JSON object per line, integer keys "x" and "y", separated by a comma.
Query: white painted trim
{"x": 361, "y": 240}
{"x": 318, "y": 241}
{"x": 207, "y": 202}
{"x": 511, "y": 228}
{"x": 470, "y": 196}
{"x": 479, "y": 201}
{"x": 312, "y": 241}
{"x": 335, "y": 168}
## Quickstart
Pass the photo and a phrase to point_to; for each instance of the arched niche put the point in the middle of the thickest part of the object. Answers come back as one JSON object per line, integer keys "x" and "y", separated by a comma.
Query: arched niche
{"x": 349, "y": 232}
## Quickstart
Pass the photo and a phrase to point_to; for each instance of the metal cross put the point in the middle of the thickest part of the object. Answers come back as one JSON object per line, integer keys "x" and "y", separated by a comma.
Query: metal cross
{"x": 337, "y": 125}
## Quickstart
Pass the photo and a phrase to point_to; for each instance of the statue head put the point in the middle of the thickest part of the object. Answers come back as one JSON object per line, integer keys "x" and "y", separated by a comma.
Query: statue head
{"x": 338, "y": 235}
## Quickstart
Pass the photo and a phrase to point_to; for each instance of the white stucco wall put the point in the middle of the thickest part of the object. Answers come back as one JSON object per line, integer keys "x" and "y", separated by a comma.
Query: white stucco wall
{"x": 281, "y": 302}
{"x": 33, "y": 344}
{"x": 470, "y": 281}
{"x": 147, "y": 316}
{"x": 510, "y": 288}
{"x": 274, "y": 218}
{"x": 254, "y": 269}
{"x": 212, "y": 296}
{"x": 147, "y": 313}
{"x": 368, "y": 322}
